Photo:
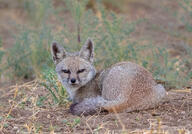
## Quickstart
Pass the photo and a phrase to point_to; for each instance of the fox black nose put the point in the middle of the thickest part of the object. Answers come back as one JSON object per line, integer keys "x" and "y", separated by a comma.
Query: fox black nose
{"x": 73, "y": 80}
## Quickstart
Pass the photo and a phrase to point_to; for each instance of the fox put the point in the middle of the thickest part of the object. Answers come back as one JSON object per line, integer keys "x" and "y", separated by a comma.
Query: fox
{"x": 122, "y": 87}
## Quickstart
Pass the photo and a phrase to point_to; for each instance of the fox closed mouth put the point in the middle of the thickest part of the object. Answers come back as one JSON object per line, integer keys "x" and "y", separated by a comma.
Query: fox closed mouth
{"x": 74, "y": 85}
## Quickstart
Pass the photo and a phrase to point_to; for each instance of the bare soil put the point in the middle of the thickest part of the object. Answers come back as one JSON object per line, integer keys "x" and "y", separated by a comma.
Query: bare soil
{"x": 19, "y": 113}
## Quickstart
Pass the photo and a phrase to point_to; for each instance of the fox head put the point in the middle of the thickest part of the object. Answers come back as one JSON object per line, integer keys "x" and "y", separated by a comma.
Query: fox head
{"x": 74, "y": 69}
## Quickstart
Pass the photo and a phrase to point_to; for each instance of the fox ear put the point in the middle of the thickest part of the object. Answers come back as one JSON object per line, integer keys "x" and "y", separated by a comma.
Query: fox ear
{"x": 58, "y": 52}
{"x": 87, "y": 51}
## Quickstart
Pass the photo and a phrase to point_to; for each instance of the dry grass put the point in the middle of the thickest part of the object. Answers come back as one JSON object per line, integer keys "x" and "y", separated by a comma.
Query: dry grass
{"x": 20, "y": 113}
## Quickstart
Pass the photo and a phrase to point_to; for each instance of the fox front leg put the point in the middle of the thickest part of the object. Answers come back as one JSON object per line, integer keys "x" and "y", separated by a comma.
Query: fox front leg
{"x": 88, "y": 106}
{"x": 82, "y": 109}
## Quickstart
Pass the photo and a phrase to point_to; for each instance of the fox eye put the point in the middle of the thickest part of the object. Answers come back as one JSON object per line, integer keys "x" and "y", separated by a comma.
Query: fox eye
{"x": 66, "y": 71}
{"x": 81, "y": 70}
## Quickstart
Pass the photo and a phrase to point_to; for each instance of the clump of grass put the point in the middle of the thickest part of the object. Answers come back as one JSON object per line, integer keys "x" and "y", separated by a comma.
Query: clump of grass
{"x": 54, "y": 87}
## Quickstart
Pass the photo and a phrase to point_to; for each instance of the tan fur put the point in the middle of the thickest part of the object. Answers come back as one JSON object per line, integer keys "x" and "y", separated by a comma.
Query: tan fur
{"x": 124, "y": 86}
{"x": 133, "y": 85}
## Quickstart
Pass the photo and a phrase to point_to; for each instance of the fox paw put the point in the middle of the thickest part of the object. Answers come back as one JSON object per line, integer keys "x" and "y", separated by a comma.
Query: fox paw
{"x": 72, "y": 107}
{"x": 81, "y": 109}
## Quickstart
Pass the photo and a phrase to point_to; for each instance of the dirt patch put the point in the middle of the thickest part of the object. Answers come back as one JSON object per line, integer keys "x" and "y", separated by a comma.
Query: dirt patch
{"x": 20, "y": 114}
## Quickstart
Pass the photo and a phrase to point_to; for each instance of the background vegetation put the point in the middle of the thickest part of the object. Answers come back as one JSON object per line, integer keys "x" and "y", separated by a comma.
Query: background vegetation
{"x": 30, "y": 54}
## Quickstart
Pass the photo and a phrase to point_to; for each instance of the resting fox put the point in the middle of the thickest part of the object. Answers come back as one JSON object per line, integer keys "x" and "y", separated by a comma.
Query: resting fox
{"x": 124, "y": 86}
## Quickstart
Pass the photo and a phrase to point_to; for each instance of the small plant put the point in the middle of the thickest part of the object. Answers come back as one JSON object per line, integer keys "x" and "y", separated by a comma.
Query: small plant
{"x": 41, "y": 100}
{"x": 72, "y": 123}
{"x": 54, "y": 87}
